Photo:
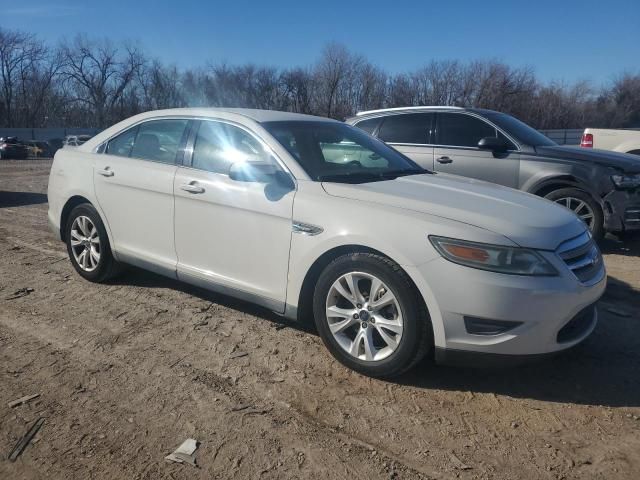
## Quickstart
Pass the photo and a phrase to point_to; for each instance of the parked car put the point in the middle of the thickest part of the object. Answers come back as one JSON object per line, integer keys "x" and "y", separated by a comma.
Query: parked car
{"x": 55, "y": 144}
{"x": 76, "y": 140}
{"x": 38, "y": 149}
{"x": 12, "y": 148}
{"x": 602, "y": 188}
{"x": 392, "y": 261}
{"x": 617, "y": 140}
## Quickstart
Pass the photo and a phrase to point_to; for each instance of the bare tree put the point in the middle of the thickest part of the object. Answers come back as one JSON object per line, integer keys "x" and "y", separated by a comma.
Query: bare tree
{"x": 26, "y": 73}
{"x": 99, "y": 73}
{"x": 297, "y": 90}
{"x": 87, "y": 82}
{"x": 160, "y": 86}
{"x": 334, "y": 76}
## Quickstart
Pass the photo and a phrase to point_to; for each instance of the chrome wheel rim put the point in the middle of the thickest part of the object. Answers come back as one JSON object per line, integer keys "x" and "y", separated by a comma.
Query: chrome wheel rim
{"x": 579, "y": 207}
{"x": 364, "y": 316}
{"x": 85, "y": 243}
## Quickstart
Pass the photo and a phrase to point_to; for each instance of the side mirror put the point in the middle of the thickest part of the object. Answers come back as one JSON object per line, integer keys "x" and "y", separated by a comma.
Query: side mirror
{"x": 494, "y": 144}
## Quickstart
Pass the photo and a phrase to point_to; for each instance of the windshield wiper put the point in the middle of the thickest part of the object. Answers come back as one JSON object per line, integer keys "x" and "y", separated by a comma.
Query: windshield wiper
{"x": 405, "y": 173}
{"x": 364, "y": 177}
{"x": 351, "y": 177}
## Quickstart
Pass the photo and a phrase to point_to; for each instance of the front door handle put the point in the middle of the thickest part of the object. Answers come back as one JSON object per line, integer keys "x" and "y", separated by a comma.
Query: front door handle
{"x": 106, "y": 172}
{"x": 192, "y": 188}
{"x": 444, "y": 160}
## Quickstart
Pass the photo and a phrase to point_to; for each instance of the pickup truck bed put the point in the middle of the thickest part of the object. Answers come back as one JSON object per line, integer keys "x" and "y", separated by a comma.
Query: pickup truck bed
{"x": 617, "y": 140}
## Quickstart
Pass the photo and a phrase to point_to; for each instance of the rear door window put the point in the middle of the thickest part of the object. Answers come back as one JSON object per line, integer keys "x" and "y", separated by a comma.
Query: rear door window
{"x": 159, "y": 140}
{"x": 413, "y": 128}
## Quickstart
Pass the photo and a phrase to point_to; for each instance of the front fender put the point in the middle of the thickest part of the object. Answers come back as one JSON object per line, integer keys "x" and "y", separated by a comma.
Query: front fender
{"x": 401, "y": 235}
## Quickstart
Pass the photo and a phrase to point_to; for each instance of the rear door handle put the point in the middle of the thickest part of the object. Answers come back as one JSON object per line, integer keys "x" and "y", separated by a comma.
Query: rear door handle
{"x": 106, "y": 172}
{"x": 444, "y": 160}
{"x": 192, "y": 188}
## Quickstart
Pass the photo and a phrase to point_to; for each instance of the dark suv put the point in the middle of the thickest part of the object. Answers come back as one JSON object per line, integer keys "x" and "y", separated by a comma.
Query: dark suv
{"x": 11, "y": 147}
{"x": 601, "y": 187}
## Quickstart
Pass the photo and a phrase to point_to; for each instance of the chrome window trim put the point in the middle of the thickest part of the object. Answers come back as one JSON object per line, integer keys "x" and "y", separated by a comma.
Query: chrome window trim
{"x": 457, "y": 147}
{"x": 407, "y": 144}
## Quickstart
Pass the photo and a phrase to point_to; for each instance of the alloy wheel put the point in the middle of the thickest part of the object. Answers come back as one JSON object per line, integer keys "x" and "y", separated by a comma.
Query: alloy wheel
{"x": 579, "y": 207}
{"x": 85, "y": 243}
{"x": 364, "y": 316}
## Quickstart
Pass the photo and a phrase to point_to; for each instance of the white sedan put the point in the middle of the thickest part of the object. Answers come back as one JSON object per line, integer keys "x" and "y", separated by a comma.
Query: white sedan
{"x": 313, "y": 218}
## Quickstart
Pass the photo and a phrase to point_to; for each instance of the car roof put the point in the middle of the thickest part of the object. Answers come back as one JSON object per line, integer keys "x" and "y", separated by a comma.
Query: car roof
{"x": 407, "y": 109}
{"x": 414, "y": 109}
{"x": 254, "y": 114}
{"x": 240, "y": 115}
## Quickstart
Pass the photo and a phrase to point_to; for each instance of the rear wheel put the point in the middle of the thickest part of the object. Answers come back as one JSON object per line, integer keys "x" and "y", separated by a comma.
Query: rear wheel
{"x": 88, "y": 245}
{"x": 583, "y": 205}
{"x": 369, "y": 315}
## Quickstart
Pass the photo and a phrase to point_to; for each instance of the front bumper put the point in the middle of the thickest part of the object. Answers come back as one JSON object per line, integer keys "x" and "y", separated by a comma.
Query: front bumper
{"x": 541, "y": 306}
{"x": 622, "y": 210}
{"x": 580, "y": 327}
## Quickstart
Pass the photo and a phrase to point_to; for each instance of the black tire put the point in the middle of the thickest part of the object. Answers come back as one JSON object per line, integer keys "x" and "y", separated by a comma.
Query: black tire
{"x": 107, "y": 267}
{"x": 417, "y": 336}
{"x": 597, "y": 227}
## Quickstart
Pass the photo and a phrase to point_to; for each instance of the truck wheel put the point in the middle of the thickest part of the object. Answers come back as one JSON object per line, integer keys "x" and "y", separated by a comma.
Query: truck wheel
{"x": 583, "y": 205}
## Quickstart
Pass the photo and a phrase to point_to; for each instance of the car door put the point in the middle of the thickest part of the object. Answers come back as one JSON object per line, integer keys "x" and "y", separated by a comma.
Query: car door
{"x": 457, "y": 152}
{"x": 232, "y": 236}
{"x": 410, "y": 134}
{"x": 133, "y": 181}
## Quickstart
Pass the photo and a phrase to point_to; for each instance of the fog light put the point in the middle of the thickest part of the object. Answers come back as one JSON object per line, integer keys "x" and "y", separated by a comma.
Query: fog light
{"x": 483, "y": 326}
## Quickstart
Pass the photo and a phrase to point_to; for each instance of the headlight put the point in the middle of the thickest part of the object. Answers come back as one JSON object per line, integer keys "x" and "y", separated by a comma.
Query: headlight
{"x": 495, "y": 258}
{"x": 626, "y": 181}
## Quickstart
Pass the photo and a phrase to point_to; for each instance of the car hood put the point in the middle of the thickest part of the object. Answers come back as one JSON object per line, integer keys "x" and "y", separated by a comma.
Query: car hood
{"x": 624, "y": 161}
{"x": 525, "y": 219}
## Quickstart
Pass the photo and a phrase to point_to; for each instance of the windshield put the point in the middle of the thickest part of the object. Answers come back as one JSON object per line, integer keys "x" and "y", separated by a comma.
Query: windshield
{"x": 337, "y": 152}
{"x": 522, "y": 132}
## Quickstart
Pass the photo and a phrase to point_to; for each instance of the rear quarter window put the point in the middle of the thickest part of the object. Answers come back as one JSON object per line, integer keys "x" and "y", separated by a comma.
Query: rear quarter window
{"x": 369, "y": 125}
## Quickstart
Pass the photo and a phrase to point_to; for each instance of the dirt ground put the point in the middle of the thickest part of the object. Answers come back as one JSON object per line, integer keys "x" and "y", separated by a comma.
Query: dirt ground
{"x": 129, "y": 370}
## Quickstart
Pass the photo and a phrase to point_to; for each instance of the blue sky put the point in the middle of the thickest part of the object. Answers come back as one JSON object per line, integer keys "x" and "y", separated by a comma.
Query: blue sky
{"x": 562, "y": 40}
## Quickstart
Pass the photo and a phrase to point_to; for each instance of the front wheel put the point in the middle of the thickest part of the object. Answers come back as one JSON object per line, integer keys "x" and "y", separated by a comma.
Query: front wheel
{"x": 369, "y": 315}
{"x": 583, "y": 205}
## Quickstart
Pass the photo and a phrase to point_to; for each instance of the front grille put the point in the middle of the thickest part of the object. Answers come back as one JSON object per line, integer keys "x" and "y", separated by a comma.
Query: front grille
{"x": 632, "y": 215}
{"x": 583, "y": 257}
{"x": 579, "y": 324}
